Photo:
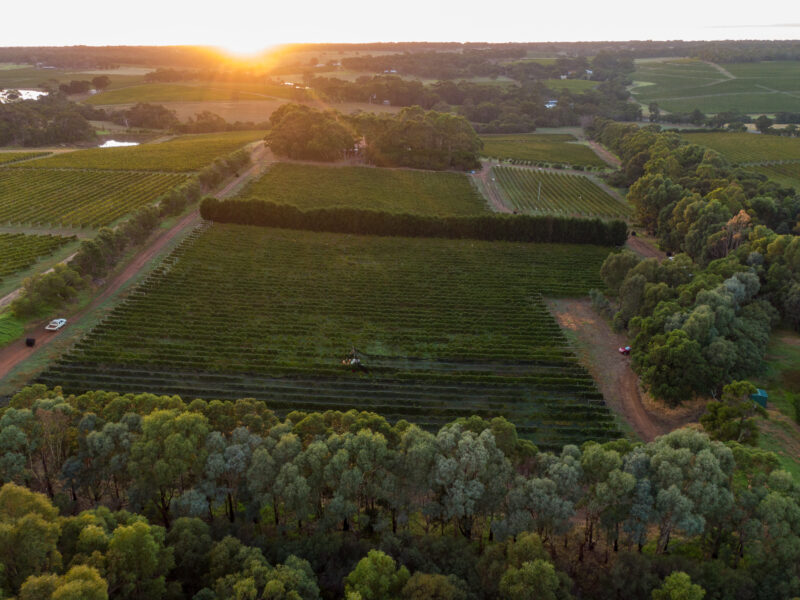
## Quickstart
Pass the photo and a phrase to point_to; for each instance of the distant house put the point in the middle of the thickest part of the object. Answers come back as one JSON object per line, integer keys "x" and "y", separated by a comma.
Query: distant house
{"x": 551, "y": 104}
{"x": 563, "y": 77}
{"x": 387, "y": 103}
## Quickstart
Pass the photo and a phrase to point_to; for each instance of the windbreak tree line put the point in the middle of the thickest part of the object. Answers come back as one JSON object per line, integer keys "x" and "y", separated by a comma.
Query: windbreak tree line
{"x": 163, "y": 499}
{"x": 490, "y": 227}
{"x": 702, "y": 319}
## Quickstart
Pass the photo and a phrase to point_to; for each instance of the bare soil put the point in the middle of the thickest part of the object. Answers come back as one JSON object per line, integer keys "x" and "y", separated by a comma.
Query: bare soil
{"x": 597, "y": 349}
{"x": 644, "y": 248}
{"x": 605, "y": 154}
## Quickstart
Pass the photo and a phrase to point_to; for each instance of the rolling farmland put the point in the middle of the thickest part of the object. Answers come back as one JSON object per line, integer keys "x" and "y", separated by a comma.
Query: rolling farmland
{"x": 211, "y": 91}
{"x": 559, "y": 194}
{"x": 684, "y": 84}
{"x": 241, "y": 311}
{"x": 185, "y": 153}
{"x": 389, "y": 190}
{"x": 540, "y": 147}
{"x": 748, "y": 147}
{"x": 19, "y": 251}
{"x": 76, "y": 198}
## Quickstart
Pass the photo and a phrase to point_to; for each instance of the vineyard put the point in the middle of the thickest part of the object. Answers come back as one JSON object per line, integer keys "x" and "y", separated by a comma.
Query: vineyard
{"x": 533, "y": 191}
{"x": 787, "y": 173}
{"x": 396, "y": 191}
{"x": 12, "y": 157}
{"x": 185, "y": 153}
{"x": 445, "y": 329}
{"x": 748, "y": 147}
{"x": 76, "y": 198}
{"x": 19, "y": 251}
{"x": 556, "y": 148}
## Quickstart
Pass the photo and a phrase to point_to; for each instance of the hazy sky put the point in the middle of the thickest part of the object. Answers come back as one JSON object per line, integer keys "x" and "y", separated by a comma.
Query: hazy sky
{"x": 249, "y": 25}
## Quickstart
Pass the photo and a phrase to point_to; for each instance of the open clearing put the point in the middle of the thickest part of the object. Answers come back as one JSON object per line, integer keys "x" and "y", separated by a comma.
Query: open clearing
{"x": 748, "y": 147}
{"x": 389, "y": 190}
{"x": 681, "y": 85}
{"x": 241, "y": 311}
{"x": 186, "y": 153}
{"x": 539, "y": 192}
{"x": 540, "y": 147}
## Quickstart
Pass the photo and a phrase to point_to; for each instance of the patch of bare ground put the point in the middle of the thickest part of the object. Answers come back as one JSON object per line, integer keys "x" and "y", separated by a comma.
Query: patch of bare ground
{"x": 605, "y": 154}
{"x": 597, "y": 349}
{"x": 644, "y": 247}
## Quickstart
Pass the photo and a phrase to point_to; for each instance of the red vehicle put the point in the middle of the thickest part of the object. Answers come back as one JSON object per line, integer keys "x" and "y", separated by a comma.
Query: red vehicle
{"x": 625, "y": 351}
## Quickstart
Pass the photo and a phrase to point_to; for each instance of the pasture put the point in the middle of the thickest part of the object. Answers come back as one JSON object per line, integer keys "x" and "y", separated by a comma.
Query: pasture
{"x": 538, "y": 192}
{"x": 748, "y": 147}
{"x": 12, "y": 157}
{"x": 571, "y": 85}
{"x": 185, "y": 153}
{"x": 540, "y": 147}
{"x": 19, "y": 251}
{"x": 681, "y": 85}
{"x": 390, "y": 190}
{"x": 445, "y": 328}
{"x": 74, "y": 198}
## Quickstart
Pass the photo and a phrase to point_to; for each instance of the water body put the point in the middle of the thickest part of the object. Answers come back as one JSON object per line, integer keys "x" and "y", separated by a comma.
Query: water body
{"x": 21, "y": 95}
{"x": 116, "y": 144}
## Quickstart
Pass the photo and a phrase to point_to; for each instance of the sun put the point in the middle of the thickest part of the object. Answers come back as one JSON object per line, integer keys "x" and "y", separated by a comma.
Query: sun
{"x": 244, "y": 49}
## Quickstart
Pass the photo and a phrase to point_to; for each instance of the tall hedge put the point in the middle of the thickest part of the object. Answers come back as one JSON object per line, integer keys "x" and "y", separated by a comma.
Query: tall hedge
{"x": 492, "y": 227}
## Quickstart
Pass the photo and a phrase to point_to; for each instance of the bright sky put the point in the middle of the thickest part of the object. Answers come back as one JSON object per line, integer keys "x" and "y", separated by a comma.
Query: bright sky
{"x": 248, "y": 25}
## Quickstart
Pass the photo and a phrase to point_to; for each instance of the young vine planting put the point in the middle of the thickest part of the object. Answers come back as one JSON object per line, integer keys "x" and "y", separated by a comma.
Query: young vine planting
{"x": 538, "y": 192}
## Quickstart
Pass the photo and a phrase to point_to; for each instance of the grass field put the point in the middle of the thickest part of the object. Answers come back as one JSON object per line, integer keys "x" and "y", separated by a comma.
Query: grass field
{"x": 389, "y": 190}
{"x": 186, "y": 153}
{"x": 571, "y": 85}
{"x": 76, "y": 198}
{"x": 446, "y": 328}
{"x": 560, "y": 194}
{"x": 748, "y": 147}
{"x": 193, "y": 92}
{"x": 19, "y": 251}
{"x": 683, "y": 85}
{"x": 540, "y": 147}
{"x": 12, "y": 157}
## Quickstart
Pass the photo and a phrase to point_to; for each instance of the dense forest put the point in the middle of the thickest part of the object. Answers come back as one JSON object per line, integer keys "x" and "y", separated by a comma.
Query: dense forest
{"x": 704, "y": 317}
{"x": 151, "y": 497}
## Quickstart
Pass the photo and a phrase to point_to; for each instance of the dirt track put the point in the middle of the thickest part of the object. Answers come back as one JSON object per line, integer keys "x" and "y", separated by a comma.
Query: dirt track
{"x": 597, "y": 346}
{"x": 17, "y": 351}
{"x": 642, "y": 248}
{"x": 492, "y": 194}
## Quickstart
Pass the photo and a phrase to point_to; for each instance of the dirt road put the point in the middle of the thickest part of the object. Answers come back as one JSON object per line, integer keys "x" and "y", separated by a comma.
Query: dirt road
{"x": 17, "y": 351}
{"x": 645, "y": 249}
{"x": 605, "y": 154}
{"x": 484, "y": 178}
{"x": 597, "y": 346}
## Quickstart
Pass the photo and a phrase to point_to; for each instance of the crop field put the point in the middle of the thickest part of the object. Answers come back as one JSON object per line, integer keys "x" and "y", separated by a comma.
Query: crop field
{"x": 748, "y": 147}
{"x": 389, "y": 190}
{"x": 77, "y": 198}
{"x": 212, "y": 91}
{"x": 683, "y": 85}
{"x": 445, "y": 328}
{"x": 12, "y": 157}
{"x": 559, "y": 194}
{"x": 19, "y": 251}
{"x": 787, "y": 173}
{"x": 185, "y": 153}
{"x": 540, "y": 147}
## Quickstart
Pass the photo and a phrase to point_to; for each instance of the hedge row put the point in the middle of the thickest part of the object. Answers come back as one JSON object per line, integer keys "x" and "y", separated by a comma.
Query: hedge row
{"x": 494, "y": 227}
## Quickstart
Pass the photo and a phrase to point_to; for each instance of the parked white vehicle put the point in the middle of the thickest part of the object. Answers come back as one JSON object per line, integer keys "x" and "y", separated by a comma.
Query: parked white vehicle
{"x": 56, "y": 324}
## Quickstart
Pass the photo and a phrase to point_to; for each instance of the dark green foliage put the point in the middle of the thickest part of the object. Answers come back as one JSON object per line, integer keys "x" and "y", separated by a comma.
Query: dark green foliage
{"x": 301, "y": 132}
{"x": 491, "y": 227}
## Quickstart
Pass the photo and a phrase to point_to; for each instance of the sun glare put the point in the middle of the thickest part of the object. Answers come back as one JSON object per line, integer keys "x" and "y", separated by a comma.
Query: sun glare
{"x": 244, "y": 49}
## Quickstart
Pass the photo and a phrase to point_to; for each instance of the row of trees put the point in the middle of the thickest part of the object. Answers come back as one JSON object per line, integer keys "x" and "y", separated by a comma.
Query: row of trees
{"x": 704, "y": 317}
{"x": 492, "y": 227}
{"x": 328, "y": 487}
